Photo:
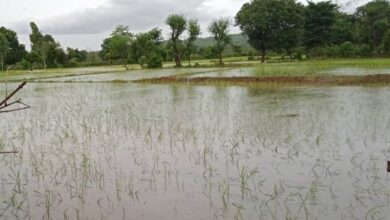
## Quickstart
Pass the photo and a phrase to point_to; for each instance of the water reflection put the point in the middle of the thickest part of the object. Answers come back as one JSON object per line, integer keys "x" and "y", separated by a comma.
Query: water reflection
{"x": 108, "y": 151}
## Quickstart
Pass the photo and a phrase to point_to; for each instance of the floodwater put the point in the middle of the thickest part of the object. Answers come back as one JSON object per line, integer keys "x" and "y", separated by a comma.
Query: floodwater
{"x": 129, "y": 151}
{"x": 293, "y": 70}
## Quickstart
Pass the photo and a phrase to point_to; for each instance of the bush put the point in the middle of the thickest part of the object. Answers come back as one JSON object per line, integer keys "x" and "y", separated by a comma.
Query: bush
{"x": 366, "y": 50}
{"x": 347, "y": 49}
{"x": 155, "y": 61}
{"x": 23, "y": 65}
{"x": 386, "y": 42}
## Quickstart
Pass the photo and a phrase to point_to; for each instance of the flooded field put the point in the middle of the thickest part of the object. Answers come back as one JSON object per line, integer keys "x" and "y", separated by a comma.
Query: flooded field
{"x": 134, "y": 151}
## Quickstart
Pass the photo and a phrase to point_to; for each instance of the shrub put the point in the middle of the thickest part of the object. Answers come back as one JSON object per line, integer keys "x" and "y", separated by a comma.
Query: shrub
{"x": 155, "y": 61}
{"x": 386, "y": 42}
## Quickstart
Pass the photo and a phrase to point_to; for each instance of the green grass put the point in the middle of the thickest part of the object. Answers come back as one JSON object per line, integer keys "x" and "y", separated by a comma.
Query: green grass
{"x": 303, "y": 68}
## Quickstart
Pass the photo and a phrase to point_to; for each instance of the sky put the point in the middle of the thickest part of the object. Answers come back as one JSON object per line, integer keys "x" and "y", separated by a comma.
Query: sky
{"x": 84, "y": 24}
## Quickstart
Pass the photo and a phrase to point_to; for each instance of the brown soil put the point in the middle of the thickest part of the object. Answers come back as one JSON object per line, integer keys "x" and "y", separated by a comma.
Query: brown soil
{"x": 296, "y": 80}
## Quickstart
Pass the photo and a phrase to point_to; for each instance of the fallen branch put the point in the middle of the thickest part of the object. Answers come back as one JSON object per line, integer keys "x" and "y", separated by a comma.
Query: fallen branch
{"x": 4, "y": 104}
{"x": 9, "y": 152}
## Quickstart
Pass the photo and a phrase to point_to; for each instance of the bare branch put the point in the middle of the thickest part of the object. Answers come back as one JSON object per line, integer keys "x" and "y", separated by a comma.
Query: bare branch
{"x": 4, "y": 104}
{"x": 9, "y": 152}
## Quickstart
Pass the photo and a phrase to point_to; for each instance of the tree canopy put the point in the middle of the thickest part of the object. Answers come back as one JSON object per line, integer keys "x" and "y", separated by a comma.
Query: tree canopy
{"x": 268, "y": 23}
{"x": 220, "y": 30}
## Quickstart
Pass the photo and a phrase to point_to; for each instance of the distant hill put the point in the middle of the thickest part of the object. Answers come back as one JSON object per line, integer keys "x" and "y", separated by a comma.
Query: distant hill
{"x": 237, "y": 40}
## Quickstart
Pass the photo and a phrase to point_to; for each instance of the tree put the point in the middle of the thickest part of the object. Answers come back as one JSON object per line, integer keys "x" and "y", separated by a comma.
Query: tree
{"x": 386, "y": 42}
{"x": 193, "y": 34}
{"x": 105, "y": 52}
{"x": 178, "y": 25}
{"x": 319, "y": 19}
{"x": 269, "y": 23}
{"x": 374, "y": 20}
{"x": 120, "y": 43}
{"x": 37, "y": 43}
{"x": 16, "y": 52}
{"x": 344, "y": 29}
{"x": 45, "y": 48}
{"x": 4, "y": 48}
{"x": 75, "y": 55}
{"x": 220, "y": 30}
{"x": 147, "y": 48}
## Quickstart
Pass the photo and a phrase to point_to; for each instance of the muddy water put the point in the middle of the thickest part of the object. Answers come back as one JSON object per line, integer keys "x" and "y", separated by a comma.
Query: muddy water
{"x": 109, "y": 151}
{"x": 293, "y": 71}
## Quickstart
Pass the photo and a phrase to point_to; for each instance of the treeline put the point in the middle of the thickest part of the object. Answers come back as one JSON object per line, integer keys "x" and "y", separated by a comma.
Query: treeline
{"x": 283, "y": 27}
{"x": 317, "y": 29}
{"x": 45, "y": 52}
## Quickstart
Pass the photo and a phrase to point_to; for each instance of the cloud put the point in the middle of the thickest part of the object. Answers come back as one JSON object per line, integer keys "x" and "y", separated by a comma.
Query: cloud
{"x": 139, "y": 15}
{"x": 77, "y": 27}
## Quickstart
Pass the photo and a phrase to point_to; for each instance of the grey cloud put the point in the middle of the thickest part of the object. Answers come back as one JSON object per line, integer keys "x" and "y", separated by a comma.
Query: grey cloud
{"x": 139, "y": 15}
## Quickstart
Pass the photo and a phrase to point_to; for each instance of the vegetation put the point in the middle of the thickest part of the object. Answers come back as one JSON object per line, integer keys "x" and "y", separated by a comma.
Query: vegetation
{"x": 147, "y": 49}
{"x": 271, "y": 24}
{"x": 269, "y": 28}
{"x": 179, "y": 47}
{"x": 220, "y": 30}
{"x": 4, "y": 45}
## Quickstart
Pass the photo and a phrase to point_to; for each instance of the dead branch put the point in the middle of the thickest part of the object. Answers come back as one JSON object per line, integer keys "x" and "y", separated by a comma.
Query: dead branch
{"x": 4, "y": 104}
{"x": 9, "y": 152}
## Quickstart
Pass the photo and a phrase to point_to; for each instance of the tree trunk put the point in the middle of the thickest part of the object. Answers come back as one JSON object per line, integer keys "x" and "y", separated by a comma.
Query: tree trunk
{"x": 220, "y": 59}
{"x": 44, "y": 62}
{"x": 2, "y": 64}
{"x": 125, "y": 63}
{"x": 263, "y": 55}
{"x": 178, "y": 61}
{"x": 189, "y": 59}
{"x": 289, "y": 53}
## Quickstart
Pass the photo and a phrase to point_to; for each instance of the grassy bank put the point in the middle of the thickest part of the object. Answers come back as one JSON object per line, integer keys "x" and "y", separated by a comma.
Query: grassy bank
{"x": 234, "y": 67}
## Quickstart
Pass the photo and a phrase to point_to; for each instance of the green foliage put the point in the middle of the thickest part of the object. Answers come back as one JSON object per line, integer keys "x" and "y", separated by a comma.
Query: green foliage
{"x": 386, "y": 42}
{"x": 346, "y": 49}
{"x": 193, "y": 34}
{"x": 76, "y": 55}
{"x": 344, "y": 29}
{"x": 147, "y": 49}
{"x": 374, "y": 21}
{"x": 16, "y": 51}
{"x": 220, "y": 30}
{"x": 267, "y": 23}
{"x": 120, "y": 43}
{"x": 4, "y": 48}
{"x": 319, "y": 19}
{"x": 44, "y": 49}
{"x": 178, "y": 25}
{"x": 155, "y": 60}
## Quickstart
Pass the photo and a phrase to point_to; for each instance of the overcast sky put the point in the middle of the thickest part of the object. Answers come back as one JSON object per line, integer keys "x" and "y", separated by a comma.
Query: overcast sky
{"x": 84, "y": 24}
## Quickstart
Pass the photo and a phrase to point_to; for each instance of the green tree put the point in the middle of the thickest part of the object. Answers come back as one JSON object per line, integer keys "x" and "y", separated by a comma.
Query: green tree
{"x": 38, "y": 46}
{"x": 120, "y": 43}
{"x": 105, "y": 52}
{"x": 386, "y": 42}
{"x": 220, "y": 30}
{"x": 76, "y": 55}
{"x": 344, "y": 29}
{"x": 17, "y": 52}
{"x": 45, "y": 49}
{"x": 319, "y": 19}
{"x": 193, "y": 34}
{"x": 4, "y": 48}
{"x": 178, "y": 25}
{"x": 374, "y": 20}
{"x": 147, "y": 49}
{"x": 268, "y": 23}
